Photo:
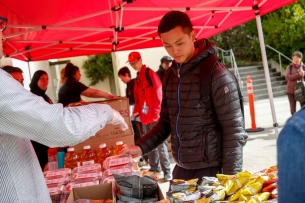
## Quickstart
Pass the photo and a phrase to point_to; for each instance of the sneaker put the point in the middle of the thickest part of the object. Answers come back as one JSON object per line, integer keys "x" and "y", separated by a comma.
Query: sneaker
{"x": 167, "y": 177}
{"x": 142, "y": 163}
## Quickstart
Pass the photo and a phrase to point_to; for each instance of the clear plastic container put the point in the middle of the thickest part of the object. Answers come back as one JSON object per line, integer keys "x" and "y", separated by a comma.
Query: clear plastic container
{"x": 71, "y": 159}
{"x": 88, "y": 156}
{"x": 91, "y": 176}
{"x": 57, "y": 181}
{"x": 116, "y": 161}
{"x": 63, "y": 172}
{"x": 118, "y": 147}
{"x": 102, "y": 153}
{"x": 86, "y": 169}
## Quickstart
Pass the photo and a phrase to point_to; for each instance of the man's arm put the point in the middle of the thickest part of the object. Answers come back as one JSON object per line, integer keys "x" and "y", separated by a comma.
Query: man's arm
{"x": 26, "y": 115}
{"x": 228, "y": 111}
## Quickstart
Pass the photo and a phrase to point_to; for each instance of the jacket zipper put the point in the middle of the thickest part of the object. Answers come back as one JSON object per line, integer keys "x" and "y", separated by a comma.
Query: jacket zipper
{"x": 177, "y": 132}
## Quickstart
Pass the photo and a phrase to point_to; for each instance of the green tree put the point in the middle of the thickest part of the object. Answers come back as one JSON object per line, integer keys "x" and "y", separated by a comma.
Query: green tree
{"x": 99, "y": 67}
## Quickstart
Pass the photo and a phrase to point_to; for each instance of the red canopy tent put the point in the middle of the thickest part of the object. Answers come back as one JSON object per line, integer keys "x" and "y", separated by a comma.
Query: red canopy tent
{"x": 41, "y": 30}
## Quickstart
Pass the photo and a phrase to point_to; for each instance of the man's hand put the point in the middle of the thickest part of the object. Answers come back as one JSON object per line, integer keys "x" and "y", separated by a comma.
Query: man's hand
{"x": 133, "y": 150}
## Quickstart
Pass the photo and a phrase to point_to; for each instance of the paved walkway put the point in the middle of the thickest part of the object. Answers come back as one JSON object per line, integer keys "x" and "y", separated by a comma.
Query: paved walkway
{"x": 260, "y": 150}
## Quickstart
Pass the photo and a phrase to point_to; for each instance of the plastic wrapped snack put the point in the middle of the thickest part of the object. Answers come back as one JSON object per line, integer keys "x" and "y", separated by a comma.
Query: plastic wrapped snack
{"x": 116, "y": 161}
{"x": 270, "y": 187}
{"x": 117, "y": 170}
{"x": 216, "y": 194}
{"x": 235, "y": 183}
{"x": 151, "y": 174}
{"x": 57, "y": 181}
{"x": 178, "y": 185}
{"x": 136, "y": 186}
{"x": 109, "y": 179}
{"x": 57, "y": 173}
{"x": 259, "y": 197}
{"x": 253, "y": 187}
{"x": 126, "y": 199}
{"x": 180, "y": 197}
{"x": 93, "y": 201}
{"x": 55, "y": 192}
{"x": 87, "y": 168}
{"x": 68, "y": 188}
{"x": 86, "y": 176}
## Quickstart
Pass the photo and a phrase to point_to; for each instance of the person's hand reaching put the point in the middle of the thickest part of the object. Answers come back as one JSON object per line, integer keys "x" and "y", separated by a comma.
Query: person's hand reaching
{"x": 117, "y": 119}
{"x": 133, "y": 150}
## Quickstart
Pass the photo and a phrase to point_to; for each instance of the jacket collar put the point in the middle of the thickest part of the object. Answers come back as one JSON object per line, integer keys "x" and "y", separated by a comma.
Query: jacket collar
{"x": 205, "y": 48}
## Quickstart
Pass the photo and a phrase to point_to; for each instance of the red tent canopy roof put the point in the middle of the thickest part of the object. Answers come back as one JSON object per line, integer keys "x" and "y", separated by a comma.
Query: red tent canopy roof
{"x": 41, "y": 30}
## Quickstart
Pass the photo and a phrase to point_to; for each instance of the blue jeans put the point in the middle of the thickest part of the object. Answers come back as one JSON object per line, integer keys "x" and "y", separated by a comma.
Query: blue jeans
{"x": 291, "y": 160}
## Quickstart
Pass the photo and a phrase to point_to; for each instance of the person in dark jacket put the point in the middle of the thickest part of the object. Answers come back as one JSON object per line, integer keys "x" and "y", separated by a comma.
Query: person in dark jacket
{"x": 193, "y": 126}
{"x": 294, "y": 72}
{"x": 38, "y": 86}
{"x": 165, "y": 64}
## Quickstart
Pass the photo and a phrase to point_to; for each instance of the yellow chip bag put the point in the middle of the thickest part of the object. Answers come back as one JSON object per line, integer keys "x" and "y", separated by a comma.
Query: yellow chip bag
{"x": 259, "y": 197}
{"x": 232, "y": 185}
{"x": 253, "y": 187}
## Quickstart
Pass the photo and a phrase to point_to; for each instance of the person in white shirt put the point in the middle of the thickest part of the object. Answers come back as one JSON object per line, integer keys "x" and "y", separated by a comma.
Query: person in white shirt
{"x": 24, "y": 117}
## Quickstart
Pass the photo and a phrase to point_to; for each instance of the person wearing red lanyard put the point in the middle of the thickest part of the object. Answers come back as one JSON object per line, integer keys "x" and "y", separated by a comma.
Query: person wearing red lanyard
{"x": 147, "y": 106}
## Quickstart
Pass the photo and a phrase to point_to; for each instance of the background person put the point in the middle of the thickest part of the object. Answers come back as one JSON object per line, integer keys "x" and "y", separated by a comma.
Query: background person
{"x": 38, "y": 86}
{"x": 15, "y": 72}
{"x": 294, "y": 72}
{"x": 28, "y": 117}
{"x": 72, "y": 89}
{"x": 147, "y": 106}
{"x": 194, "y": 128}
{"x": 165, "y": 64}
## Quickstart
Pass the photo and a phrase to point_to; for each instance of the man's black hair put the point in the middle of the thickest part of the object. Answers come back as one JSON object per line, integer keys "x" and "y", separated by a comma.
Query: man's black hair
{"x": 12, "y": 69}
{"x": 123, "y": 71}
{"x": 174, "y": 19}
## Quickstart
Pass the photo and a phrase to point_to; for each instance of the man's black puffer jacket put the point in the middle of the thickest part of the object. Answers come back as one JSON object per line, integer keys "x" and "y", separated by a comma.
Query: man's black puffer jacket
{"x": 194, "y": 127}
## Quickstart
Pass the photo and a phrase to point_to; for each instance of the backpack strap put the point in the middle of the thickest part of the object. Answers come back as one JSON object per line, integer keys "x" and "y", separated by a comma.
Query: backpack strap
{"x": 149, "y": 81}
{"x": 290, "y": 68}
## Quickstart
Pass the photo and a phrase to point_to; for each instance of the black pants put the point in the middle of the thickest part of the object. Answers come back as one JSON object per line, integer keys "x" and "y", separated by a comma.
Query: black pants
{"x": 186, "y": 174}
{"x": 138, "y": 133}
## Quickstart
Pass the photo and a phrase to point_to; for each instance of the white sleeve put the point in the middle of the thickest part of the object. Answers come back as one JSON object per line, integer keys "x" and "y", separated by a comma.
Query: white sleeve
{"x": 26, "y": 115}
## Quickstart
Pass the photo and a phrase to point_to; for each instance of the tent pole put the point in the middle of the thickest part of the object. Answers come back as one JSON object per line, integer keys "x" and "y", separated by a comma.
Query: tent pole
{"x": 29, "y": 68}
{"x": 266, "y": 69}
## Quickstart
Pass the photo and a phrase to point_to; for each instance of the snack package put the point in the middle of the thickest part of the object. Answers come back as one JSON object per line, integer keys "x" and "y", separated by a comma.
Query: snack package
{"x": 216, "y": 194}
{"x": 87, "y": 168}
{"x": 93, "y": 201}
{"x": 136, "y": 186}
{"x": 86, "y": 176}
{"x": 235, "y": 183}
{"x": 55, "y": 192}
{"x": 151, "y": 174}
{"x": 253, "y": 187}
{"x": 116, "y": 161}
{"x": 68, "y": 188}
{"x": 178, "y": 185}
{"x": 108, "y": 180}
{"x": 57, "y": 181}
{"x": 270, "y": 187}
{"x": 117, "y": 170}
{"x": 274, "y": 194}
{"x": 259, "y": 197}
{"x": 57, "y": 173}
{"x": 180, "y": 197}
{"x": 126, "y": 199}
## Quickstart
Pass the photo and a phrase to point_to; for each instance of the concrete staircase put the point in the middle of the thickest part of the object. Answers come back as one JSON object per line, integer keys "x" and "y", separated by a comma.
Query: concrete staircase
{"x": 278, "y": 82}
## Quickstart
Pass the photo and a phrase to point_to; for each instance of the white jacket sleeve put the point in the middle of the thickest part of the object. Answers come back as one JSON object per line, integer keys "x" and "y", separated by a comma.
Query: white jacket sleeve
{"x": 26, "y": 115}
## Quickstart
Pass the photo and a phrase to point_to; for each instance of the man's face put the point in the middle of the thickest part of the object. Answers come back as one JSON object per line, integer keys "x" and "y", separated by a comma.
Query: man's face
{"x": 137, "y": 65}
{"x": 18, "y": 76}
{"x": 125, "y": 79}
{"x": 166, "y": 64}
{"x": 43, "y": 82}
{"x": 179, "y": 46}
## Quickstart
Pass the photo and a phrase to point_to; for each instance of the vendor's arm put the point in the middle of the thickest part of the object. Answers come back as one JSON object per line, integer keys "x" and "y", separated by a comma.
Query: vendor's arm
{"x": 228, "y": 111}
{"x": 95, "y": 93}
{"x": 26, "y": 115}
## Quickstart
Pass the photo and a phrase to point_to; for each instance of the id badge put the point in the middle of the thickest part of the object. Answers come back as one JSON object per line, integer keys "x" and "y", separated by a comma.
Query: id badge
{"x": 145, "y": 109}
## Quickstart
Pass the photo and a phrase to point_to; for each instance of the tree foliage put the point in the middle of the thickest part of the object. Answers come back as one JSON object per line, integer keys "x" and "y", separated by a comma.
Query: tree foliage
{"x": 98, "y": 67}
{"x": 283, "y": 29}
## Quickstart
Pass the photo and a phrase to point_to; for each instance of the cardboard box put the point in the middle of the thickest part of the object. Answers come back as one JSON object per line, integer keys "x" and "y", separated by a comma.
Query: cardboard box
{"x": 110, "y": 134}
{"x": 96, "y": 192}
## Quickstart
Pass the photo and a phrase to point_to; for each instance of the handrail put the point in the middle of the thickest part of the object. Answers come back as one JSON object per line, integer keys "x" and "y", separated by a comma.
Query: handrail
{"x": 233, "y": 64}
{"x": 280, "y": 61}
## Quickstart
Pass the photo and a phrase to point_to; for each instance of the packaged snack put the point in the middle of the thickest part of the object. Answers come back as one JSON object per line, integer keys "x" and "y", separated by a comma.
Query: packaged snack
{"x": 57, "y": 181}
{"x": 88, "y": 168}
{"x": 178, "y": 185}
{"x": 259, "y": 197}
{"x": 253, "y": 187}
{"x": 117, "y": 170}
{"x": 151, "y": 174}
{"x": 86, "y": 176}
{"x": 270, "y": 187}
{"x": 131, "y": 199}
{"x": 180, "y": 197}
{"x": 55, "y": 192}
{"x": 108, "y": 180}
{"x": 136, "y": 186}
{"x": 216, "y": 194}
{"x": 274, "y": 194}
{"x": 63, "y": 172}
{"x": 235, "y": 183}
{"x": 115, "y": 161}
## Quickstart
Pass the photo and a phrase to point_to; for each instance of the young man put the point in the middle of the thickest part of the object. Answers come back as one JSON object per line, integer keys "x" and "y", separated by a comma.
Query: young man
{"x": 147, "y": 106}
{"x": 15, "y": 72}
{"x": 204, "y": 141}
{"x": 165, "y": 64}
{"x": 125, "y": 76}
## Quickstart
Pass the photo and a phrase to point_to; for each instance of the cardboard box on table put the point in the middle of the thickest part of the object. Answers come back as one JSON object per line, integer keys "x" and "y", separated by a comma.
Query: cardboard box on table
{"x": 110, "y": 134}
{"x": 98, "y": 192}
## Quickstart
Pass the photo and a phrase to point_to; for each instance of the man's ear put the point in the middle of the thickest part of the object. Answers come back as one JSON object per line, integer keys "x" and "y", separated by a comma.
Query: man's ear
{"x": 193, "y": 35}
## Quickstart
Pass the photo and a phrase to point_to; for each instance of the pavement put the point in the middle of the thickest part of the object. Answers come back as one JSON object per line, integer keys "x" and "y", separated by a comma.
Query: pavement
{"x": 260, "y": 150}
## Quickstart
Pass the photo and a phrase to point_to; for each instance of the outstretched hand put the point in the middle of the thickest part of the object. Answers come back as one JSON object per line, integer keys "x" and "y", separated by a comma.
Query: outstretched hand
{"x": 117, "y": 119}
{"x": 133, "y": 150}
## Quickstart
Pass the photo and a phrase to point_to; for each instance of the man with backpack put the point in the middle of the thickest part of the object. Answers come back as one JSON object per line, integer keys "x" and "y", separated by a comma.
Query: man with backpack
{"x": 148, "y": 95}
{"x": 201, "y": 106}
